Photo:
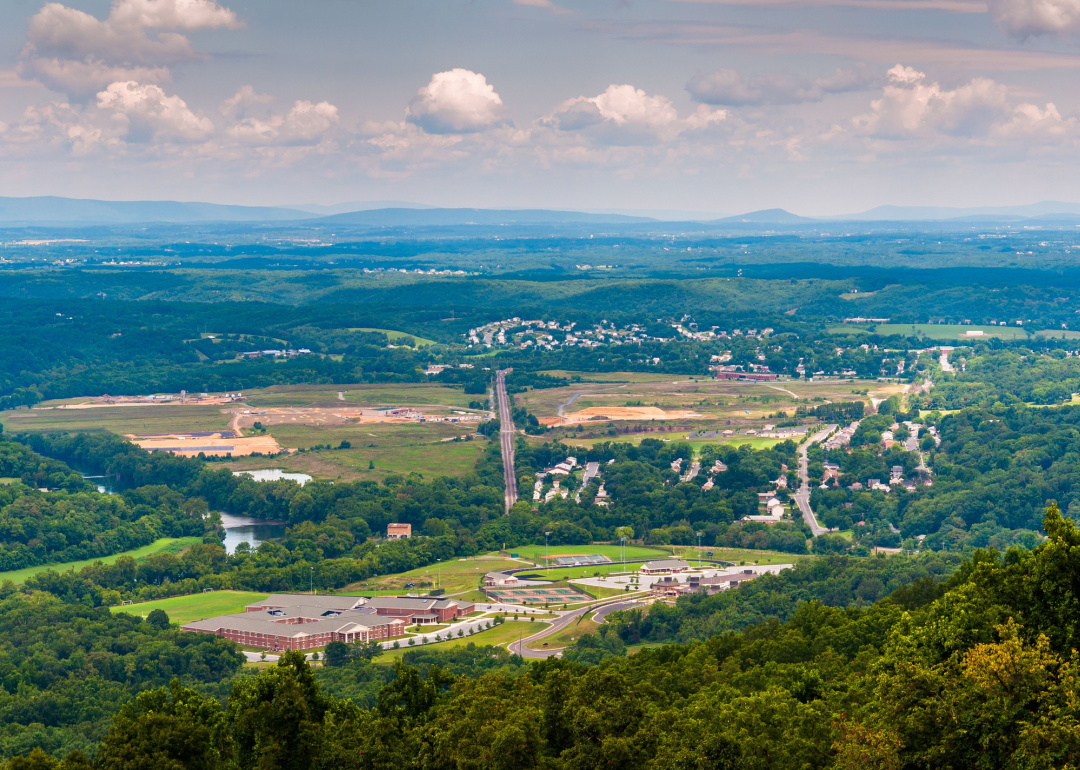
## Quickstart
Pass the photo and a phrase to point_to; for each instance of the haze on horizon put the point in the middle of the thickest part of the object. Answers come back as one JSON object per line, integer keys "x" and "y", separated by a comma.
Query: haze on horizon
{"x": 817, "y": 106}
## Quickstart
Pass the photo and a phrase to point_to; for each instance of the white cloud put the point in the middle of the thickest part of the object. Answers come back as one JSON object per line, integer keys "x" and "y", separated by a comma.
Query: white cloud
{"x": 913, "y": 106}
{"x": 75, "y": 52}
{"x": 456, "y": 102}
{"x": 728, "y": 87}
{"x": 147, "y": 113}
{"x": 305, "y": 123}
{"x": 623, "y": 114}
{"x": 1027, "y": 18}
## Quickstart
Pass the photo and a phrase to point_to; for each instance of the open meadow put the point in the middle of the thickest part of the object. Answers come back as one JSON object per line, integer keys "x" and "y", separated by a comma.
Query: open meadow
{"x": 187, "y": 609}
{"x": 935, "y": 332}
{"x": 162, "y": 545}
{"x": 457, "y": 575}
{"x": 664, "y": 406}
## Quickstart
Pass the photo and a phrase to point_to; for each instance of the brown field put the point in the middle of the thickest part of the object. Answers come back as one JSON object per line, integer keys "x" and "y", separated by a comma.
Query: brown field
{"x": 608, "y": 413}
{"x": 215, "y": 445}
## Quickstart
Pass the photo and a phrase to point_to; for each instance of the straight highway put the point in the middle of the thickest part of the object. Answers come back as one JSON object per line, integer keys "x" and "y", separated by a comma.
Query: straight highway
{"x": 802, "y": 497}
{"x": 506, "y": 439}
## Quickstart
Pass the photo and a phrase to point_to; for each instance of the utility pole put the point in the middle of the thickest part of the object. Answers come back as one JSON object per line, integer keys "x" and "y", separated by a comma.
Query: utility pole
{"x": 439, "y": 561}
{"x": 312, "y": 586}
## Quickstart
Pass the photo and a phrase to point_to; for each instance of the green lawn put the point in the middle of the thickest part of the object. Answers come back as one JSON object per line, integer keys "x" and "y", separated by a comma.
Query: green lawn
{"x": 510, "y": 631}
{"x": 941, "y": 332}
{"x": 394, "y": 336}
{"x": 739, "y": 555}
{"x": 185, "y": 609}
{"x": 535, "y": 553}
{"x": 163, "y": 545}
{"x": 567, "y": 573}
{"x": 119, "y": 419}
{"x": 456, "y": 575}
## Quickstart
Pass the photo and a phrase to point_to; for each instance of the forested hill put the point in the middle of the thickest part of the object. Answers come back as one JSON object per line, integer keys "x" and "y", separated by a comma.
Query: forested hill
{"x": 976, "y": 672}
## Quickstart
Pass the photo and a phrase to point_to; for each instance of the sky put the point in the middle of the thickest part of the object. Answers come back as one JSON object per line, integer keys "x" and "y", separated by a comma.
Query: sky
{"x": 721, "y": 106}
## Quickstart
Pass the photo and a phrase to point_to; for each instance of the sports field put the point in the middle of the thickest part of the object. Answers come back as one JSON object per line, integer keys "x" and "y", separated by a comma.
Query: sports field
{"x": 186, "y": 609}
{"x": 739, "y": 556}
{"x": 535, "y": 553}
{"x": 163, "y": 545}
{"x": 457, "y": 575}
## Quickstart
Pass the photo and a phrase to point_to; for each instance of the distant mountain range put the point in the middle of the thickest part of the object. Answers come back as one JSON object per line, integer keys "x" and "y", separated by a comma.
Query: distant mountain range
{"x": 51, "y": 210}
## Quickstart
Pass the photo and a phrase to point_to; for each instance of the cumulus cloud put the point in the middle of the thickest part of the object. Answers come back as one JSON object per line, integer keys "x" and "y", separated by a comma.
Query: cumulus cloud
{"x": 1028, "y": 18}
{"x": 146, "y": 113}
{"x": 911, "y": 105}
{"x": 458, "y": 101}
{"x": 78, "y": 54}
{"x": 729, "y": 88}
{"x": 623, "y": 114}
{"x": 255, "y": 123}
{"x": 977, "y": 113}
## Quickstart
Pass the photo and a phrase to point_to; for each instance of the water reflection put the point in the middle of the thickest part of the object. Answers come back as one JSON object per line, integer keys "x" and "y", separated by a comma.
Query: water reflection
{"x": 244, "y": 529}
{"x": 275, "y": 474}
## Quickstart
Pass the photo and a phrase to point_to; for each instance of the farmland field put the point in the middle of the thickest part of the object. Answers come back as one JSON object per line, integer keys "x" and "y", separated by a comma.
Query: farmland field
{"x": 395, "y": 336}
{"x": 162, "y": 545}
{"x": 186, "y": 609}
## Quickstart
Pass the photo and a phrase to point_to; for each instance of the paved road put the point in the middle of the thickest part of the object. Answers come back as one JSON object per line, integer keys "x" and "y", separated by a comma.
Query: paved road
{"x": 559, "y": 624}
{"x": 506, "y": 440}
{"x": 802, "y": 497}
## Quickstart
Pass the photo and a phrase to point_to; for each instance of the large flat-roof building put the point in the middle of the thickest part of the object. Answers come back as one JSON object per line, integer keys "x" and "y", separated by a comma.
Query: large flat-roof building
{"x": 419, "y": 609}
{"x": 300, "y": 622}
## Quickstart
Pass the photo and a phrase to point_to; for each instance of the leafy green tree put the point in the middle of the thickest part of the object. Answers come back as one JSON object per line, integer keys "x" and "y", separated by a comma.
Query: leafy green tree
{"x": 172, "y": 728}
{"x": 158, "y": 619}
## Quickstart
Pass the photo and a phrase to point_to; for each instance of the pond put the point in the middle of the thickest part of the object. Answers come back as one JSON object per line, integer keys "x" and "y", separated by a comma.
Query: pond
{"x": 275, "y": 474}
{"x": 245, "y": 529}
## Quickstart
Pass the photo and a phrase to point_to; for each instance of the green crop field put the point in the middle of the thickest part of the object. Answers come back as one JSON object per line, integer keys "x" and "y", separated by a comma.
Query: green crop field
{"x": 163, "y": 545}
{"x": 186, "y": 609}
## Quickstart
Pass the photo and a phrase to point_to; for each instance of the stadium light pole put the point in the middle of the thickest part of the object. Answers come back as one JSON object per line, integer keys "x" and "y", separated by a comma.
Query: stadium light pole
{"x": 439, "y": 561}
{"x": 312, "y": 585}
{"x": 546, "y": 562}
{"x": 699, "y": 534}
{"x": 622, "y": 552}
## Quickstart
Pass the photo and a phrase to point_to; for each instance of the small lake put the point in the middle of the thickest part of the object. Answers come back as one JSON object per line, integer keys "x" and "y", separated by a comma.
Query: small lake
{"x": 275, "y": 474}
{"x": 245, "y": 529}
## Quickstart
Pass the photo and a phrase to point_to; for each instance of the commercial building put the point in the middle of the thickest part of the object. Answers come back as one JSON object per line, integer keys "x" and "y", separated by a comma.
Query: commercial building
{"x": 420, "y": 610}
{"x": 285, "y": 622}
{"x": 664, "y": 567}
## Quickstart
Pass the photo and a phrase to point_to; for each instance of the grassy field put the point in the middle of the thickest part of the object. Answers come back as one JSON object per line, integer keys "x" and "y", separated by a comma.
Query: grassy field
{"x": 721, "y": 404}
{"x": 185, "y": 609}
{"x": 566, "y": 636}
{"x": 457, "y": 575}
{"x": 940, "y": 332}
{"x": 676, "y": 436}
{"x": 535, "y": 553}
{"x": 510, "y": 631}
{"x": 396, "y": 337}
{"x": 118, "y": 419}
{"x": 740, "y": 555}
{"x": 1058, "y": 334}
{"x": 163, "y": 545}
{"x": 567, "y": 573}
{"x": 391, "y": 448}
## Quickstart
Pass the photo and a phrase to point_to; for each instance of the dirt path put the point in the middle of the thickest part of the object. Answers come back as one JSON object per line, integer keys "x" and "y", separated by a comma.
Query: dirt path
{"x": 785, "y": 390}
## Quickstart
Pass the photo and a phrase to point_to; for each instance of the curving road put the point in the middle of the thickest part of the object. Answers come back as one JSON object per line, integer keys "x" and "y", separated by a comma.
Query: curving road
{"x": 519, "y": 648}
{"x": 506, "y": 439}
{"x": 802, "y": 497}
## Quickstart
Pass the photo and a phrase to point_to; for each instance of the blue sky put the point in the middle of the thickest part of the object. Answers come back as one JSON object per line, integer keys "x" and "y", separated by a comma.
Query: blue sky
{"x": 818, "y": 106}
